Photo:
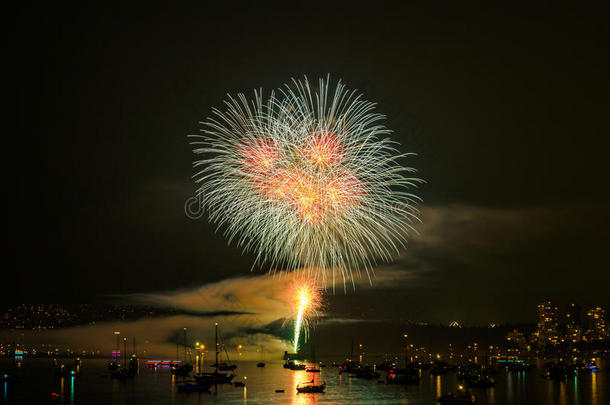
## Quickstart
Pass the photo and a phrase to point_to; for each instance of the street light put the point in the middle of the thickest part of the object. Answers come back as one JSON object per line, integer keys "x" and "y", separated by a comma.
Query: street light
{"x": 406, "y": 350}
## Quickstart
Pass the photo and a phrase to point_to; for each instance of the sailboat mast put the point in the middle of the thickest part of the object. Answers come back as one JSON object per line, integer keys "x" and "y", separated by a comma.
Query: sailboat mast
{"x": 216, "y": 365}
{"x": 125, "y": 352}
{"x": 184, "y": 345}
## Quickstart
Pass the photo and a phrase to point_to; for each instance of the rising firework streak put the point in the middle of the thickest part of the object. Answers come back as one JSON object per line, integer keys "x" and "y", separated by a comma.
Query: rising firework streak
{"x": 307, "y": 302}
{"x": 306, "y": 178}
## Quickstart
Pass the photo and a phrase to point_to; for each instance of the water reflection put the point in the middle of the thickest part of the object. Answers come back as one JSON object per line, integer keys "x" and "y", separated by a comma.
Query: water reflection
{"x": 491, "y": 395}
{"x": 509, "y": 384}
{"x": 156, "y": 387}
{"x": 72, "y": 390}
{"x": 593, "y": 388}
{"x": 61, "y": 389}
{"x": 549, "y": 394}
{"x": 563, "y": 398}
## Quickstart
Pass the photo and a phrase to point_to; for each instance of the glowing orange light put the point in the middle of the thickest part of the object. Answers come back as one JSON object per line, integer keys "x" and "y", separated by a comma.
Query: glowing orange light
{"x": 259, "y": 155}
{"x": 316, "y": 189}
{"x": 323, "y": 148}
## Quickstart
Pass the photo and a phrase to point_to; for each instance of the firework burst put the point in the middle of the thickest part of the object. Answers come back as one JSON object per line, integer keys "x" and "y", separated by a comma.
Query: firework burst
{"x": 307, "y": 302}
{"x": 306, "y": 178}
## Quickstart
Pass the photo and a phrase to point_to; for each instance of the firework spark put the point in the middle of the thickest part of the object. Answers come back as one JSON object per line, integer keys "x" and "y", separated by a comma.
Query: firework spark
{"x": 308, "y": 300}
{"x": 306, "y": 178}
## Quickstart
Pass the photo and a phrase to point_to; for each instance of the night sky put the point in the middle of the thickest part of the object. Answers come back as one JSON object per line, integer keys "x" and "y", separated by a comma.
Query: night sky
{"x": 506, "y": 106}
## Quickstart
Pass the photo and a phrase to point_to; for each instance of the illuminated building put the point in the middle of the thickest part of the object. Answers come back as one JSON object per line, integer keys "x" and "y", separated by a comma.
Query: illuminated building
{"x": 548, "y": 324}
{"x": 517, "y": 338}
{"x": 599, "y": 327}
{"x": 573, "y": 324}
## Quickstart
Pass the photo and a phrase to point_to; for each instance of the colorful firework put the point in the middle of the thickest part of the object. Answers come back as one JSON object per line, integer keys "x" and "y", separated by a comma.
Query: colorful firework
{"x": 307, "y": 303}
{"x": 306, "y": 179}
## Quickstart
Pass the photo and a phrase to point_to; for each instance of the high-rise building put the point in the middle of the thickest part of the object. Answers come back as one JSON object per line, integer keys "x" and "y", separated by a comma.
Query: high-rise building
{"x": 599, "y": 328}
{"x": 573, "y": 324}
{"x": 517, "y": 338}
{"x": 548, "y": 324}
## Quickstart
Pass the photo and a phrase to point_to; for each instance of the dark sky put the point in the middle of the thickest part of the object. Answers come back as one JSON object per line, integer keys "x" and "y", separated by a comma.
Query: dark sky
{"x": 506, "y": 106}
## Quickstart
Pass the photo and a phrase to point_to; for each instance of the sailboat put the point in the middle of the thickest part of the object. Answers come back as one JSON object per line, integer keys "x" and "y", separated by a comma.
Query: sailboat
{"x": 262, "y": 362}
{"x": 215, "y": 377}
{"x": 123, "y": 371}
{"x": 225, "y": 365}
{"x": 185, "y": 368}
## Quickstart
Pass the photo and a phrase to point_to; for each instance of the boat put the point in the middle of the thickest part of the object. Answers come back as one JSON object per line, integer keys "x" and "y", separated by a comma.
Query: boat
{"x": 312, "y": 370}
{"x": 215, "y": 377}
{"x": 294, "y": 366}
{"x": 181, "y": 370}
{"x": 224, "y": 366}
{"x": 480, "y": 381}
{"x": 350, "y": 367}
{"x": 261, "y": 363}
{"x": 185, "y": 368}
{"x": 403, "y": 376}
{"x": 441, "y": 368}
{"x": 459, "y": 397}
{"x": 193, "y": 386}
{"x": 310, "y": 387}
{"x": 123, "y": 371}
{"x": 367, "y": 373}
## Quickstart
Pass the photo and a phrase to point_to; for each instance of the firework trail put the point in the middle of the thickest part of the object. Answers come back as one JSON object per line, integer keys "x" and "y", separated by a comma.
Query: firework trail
{"x": 306, "y": 178}
{"x": 308, "y": 301}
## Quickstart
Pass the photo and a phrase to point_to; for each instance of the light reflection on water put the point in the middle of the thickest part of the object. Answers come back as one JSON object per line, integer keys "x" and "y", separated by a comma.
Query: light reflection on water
{"x": 72, "y": 390}
{"x": 562, "y": 393}
{"x": 509, "y": 391}
{"x": 152, "y": 387}
{"x": 594, "y": 389}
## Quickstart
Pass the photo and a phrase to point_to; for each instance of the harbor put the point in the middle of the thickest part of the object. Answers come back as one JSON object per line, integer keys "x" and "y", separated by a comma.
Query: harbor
{"x": 94, "y": 385}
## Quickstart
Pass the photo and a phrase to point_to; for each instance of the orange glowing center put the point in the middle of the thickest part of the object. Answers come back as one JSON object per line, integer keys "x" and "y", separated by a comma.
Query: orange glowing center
{"x": 309, "y": 179}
